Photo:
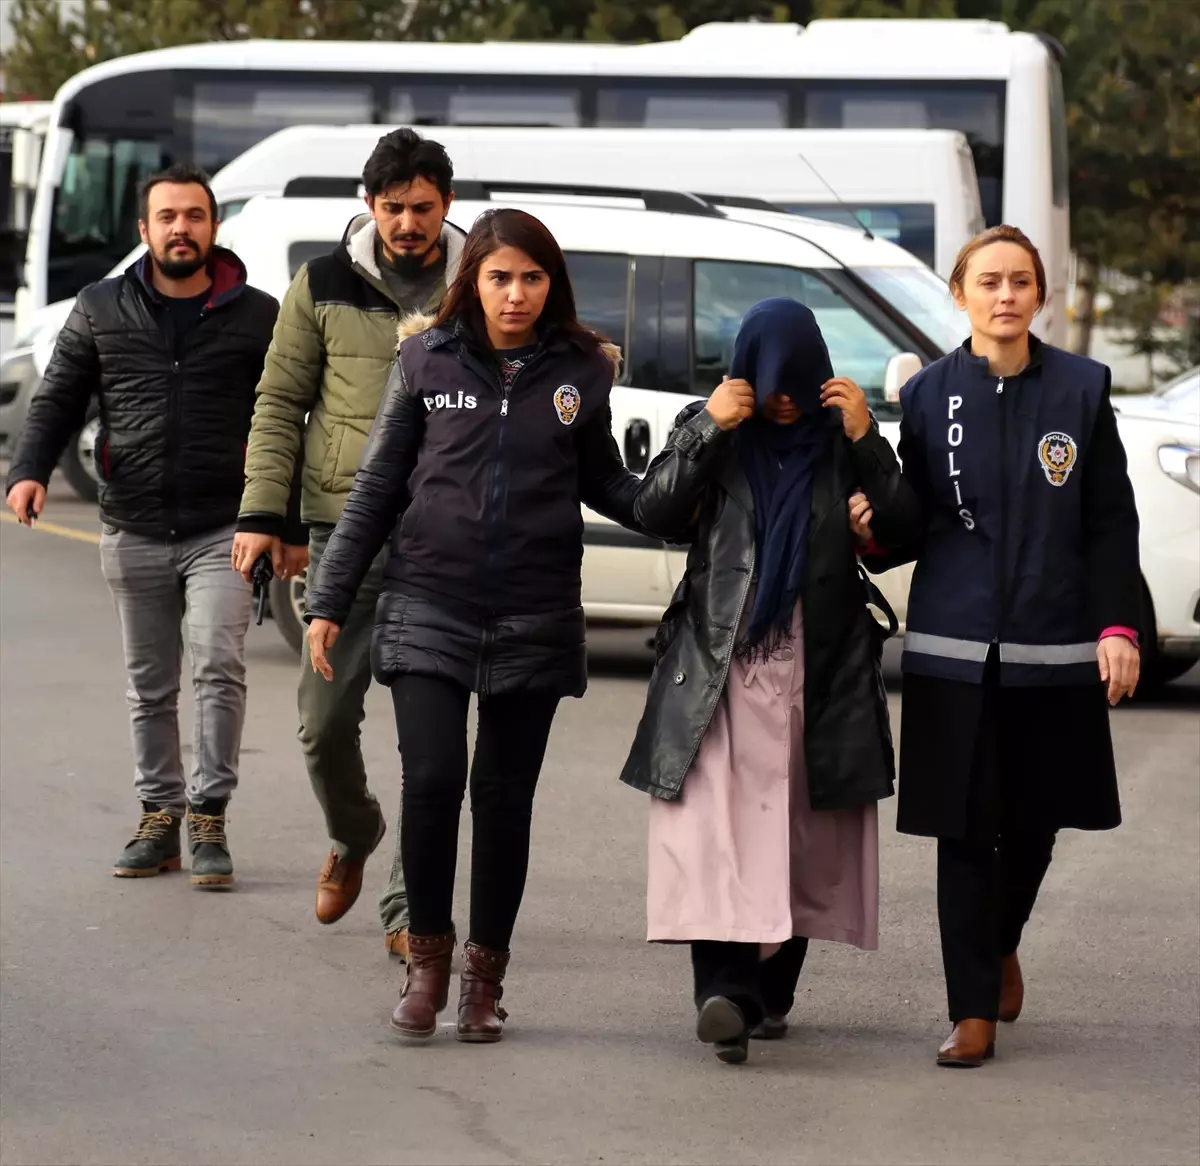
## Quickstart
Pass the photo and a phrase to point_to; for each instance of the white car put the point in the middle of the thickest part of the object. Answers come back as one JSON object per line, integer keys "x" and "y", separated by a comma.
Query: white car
{"x": 668, "y": 276}
{"x": 1161, "y": 436}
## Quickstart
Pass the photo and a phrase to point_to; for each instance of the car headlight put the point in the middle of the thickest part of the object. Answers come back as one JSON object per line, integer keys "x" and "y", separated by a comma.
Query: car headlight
{"x": 1181, "y": 462}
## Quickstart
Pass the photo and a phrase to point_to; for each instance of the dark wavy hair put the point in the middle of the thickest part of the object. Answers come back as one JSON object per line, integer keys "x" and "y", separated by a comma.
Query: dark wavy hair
{"x": 507, "y": 227}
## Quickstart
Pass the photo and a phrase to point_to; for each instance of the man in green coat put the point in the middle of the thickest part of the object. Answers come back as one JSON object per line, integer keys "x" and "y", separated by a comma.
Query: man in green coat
{"x": 332, "y": 350}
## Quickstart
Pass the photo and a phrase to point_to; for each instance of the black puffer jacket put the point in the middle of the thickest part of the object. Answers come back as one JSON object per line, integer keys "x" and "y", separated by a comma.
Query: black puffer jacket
{"x": 172, "y": 447}
{"x": 695, "y": 491}
{"x": 480, "y": 488}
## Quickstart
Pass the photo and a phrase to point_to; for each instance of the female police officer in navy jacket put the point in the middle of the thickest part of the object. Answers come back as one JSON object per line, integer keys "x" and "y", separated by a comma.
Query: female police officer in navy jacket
{"x": 495, "y": 426}
{"x": 1021, "y": 622}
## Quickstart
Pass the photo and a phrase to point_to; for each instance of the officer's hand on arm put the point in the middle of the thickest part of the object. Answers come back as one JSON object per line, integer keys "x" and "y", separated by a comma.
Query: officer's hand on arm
{"x": 248, "y": 546}
{"x": 1120, "y": 666}
{"x": 844, "y": 394}
{"x": 731, "y": 403}
{"x": 322, "y": 634}
{"x": 26, "y": 500}
{"x": 860, "y": 519}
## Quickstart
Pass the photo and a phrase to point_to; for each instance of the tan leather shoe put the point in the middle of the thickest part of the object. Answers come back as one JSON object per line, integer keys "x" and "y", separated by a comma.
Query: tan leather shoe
{"x": 426, "y": 987}
{"x": 340, "y": 881}
{"x": 970, "y": 1044}
{"x": 396, "y": 943}
{"x": 1012, "y": 988}
{"x": 480, "y": 1017}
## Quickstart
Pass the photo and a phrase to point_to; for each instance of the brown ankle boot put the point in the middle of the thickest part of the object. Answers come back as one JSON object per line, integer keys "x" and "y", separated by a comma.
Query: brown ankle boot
{"x": 426, "y": 986}
{"x": 970, "y": 1044}
{"x": 1012, "y": 988}
{"x": 480, "y": 1017}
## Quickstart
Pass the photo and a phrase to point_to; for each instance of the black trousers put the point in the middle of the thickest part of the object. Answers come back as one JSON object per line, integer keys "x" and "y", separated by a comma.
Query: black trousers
{"x": 758, "y": 987}
{"x": 988, "y": 880}
{"x": 986, "y": 892}
{"x": 431, "y": 725}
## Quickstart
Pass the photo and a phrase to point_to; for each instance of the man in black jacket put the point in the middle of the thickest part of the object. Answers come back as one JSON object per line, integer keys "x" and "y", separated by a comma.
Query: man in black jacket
{"x": 174, "y": 348}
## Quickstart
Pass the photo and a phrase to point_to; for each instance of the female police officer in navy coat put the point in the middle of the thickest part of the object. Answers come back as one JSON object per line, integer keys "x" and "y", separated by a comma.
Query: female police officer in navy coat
{"x": 1021, "y": 622}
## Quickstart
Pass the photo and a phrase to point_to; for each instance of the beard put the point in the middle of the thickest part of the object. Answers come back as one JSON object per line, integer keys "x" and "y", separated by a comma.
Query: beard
{"x": 409, "y": 264}
{"x": 176, "y": 266}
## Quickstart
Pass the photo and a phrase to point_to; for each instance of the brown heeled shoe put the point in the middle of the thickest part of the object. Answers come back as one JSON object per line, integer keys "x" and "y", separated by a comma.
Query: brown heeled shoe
{"x": 426, "y": 986}
{"x": 970, "y": 1044}
{"x": 1012, "y": 988}
{"x": 480, "y": 1017}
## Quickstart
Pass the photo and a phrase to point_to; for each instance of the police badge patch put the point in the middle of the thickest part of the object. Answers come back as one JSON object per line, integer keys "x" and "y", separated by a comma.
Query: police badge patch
{"x": 1057, "y": 453}
{"x": 566, "y": 402}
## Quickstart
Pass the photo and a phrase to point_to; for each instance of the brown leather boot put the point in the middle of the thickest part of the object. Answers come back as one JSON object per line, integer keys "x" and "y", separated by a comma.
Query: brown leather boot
{"x": 341, "y": 880}
{"x": 970, "y": 1044}
{"x": 426, "y": 987}
{"x": 480, "y": 1017}
{"x": 1012, "y": 988}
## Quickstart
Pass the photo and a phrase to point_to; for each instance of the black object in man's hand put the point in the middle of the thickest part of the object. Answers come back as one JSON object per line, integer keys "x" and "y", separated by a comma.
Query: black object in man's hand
{"x": 261, "y": 576}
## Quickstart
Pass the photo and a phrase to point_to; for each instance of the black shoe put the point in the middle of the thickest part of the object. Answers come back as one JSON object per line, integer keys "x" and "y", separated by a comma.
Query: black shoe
{"x": 153, "y": 848}
{"x": 770, "y": 1028}
{"x": 721, "y": 1023}
{"x": 211, "y": 865}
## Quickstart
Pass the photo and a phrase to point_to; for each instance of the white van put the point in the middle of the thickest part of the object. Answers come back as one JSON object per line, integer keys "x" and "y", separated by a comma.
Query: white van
{"x": 668, "y": 277}
{"x": 917, "y": 188}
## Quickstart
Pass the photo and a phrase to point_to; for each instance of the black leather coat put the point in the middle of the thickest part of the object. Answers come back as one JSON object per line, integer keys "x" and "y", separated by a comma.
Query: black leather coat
{"x": 695, "y": 491}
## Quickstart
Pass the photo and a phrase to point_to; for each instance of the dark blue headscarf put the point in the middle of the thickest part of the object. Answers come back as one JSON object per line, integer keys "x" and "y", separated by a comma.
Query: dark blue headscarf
{"x": 780, "y": 349}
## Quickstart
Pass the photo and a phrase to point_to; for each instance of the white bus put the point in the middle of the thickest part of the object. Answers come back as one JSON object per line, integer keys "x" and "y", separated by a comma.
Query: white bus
{"x": 916, "y": 188}
{"x": 118, "y": 121}
{"x": 22, "y": 131}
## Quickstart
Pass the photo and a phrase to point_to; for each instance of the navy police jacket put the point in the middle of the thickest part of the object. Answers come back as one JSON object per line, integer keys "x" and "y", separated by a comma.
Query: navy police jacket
{"x": 1030, "y": 536}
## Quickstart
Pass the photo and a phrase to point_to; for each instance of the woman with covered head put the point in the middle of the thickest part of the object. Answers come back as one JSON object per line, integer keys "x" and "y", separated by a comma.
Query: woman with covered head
{"x": 765, "y": 741}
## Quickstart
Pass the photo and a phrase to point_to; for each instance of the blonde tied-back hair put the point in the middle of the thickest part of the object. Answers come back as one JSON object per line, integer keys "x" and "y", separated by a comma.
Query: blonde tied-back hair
{"x": 1001, "y": 234}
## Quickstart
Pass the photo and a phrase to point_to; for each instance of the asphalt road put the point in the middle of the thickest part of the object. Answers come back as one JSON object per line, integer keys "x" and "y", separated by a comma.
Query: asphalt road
{"x": 146, "y": 1022}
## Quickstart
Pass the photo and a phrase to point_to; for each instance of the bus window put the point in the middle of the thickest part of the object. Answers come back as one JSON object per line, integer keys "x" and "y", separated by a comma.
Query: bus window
{"x": 977, "y": 110}
{"x": 725, "y": 292}
{"x": 908, "y": 225}
{"x": 679, "y": 108}
{"x": 228, "y": 117}
{"x": 484, "y": 105}
{"x": 601, "y": 284}
{"x": 96, "y": 210}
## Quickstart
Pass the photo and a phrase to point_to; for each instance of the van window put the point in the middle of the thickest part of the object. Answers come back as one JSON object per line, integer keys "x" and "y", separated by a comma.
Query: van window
{"x": 601, "y": 285}
{"x": 1059, "y": 172}
{"x": 725, "y": 292}
{"x": 909, "y": 225}
{"x": 305, "y": 251}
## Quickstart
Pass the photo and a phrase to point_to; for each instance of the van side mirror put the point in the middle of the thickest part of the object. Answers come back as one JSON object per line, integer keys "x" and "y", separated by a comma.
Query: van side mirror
{"x": 900, "y": 369}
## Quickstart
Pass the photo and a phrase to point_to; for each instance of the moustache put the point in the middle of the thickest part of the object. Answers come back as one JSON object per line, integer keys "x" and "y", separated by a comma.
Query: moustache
{"x": 408, "y": 238}
{"x": 183, "y": 243}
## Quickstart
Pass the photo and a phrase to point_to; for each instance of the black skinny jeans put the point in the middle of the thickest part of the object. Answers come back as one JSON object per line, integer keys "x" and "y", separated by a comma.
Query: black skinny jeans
{"x": 431, "y": 725}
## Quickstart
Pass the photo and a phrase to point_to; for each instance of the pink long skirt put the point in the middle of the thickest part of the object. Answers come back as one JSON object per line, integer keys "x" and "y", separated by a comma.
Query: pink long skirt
{"x": 741, "y": 856}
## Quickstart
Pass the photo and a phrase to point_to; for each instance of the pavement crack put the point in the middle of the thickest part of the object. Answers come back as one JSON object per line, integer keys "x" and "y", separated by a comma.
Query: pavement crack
{"x": 475, "y": 1121}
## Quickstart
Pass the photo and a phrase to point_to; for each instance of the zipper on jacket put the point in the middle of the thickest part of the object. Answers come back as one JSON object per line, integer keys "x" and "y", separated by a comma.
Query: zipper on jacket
{"x": 1002, "y": 549}
{"x": 500, "y": 473}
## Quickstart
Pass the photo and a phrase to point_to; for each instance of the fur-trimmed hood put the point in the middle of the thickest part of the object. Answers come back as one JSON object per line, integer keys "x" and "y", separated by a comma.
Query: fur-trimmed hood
{"x": 417, "y": 322}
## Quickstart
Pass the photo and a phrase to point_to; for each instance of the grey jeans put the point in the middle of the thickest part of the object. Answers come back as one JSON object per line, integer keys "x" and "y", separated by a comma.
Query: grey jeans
{"x": 331, "y": 716}
{"x": 165, "y": 591}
